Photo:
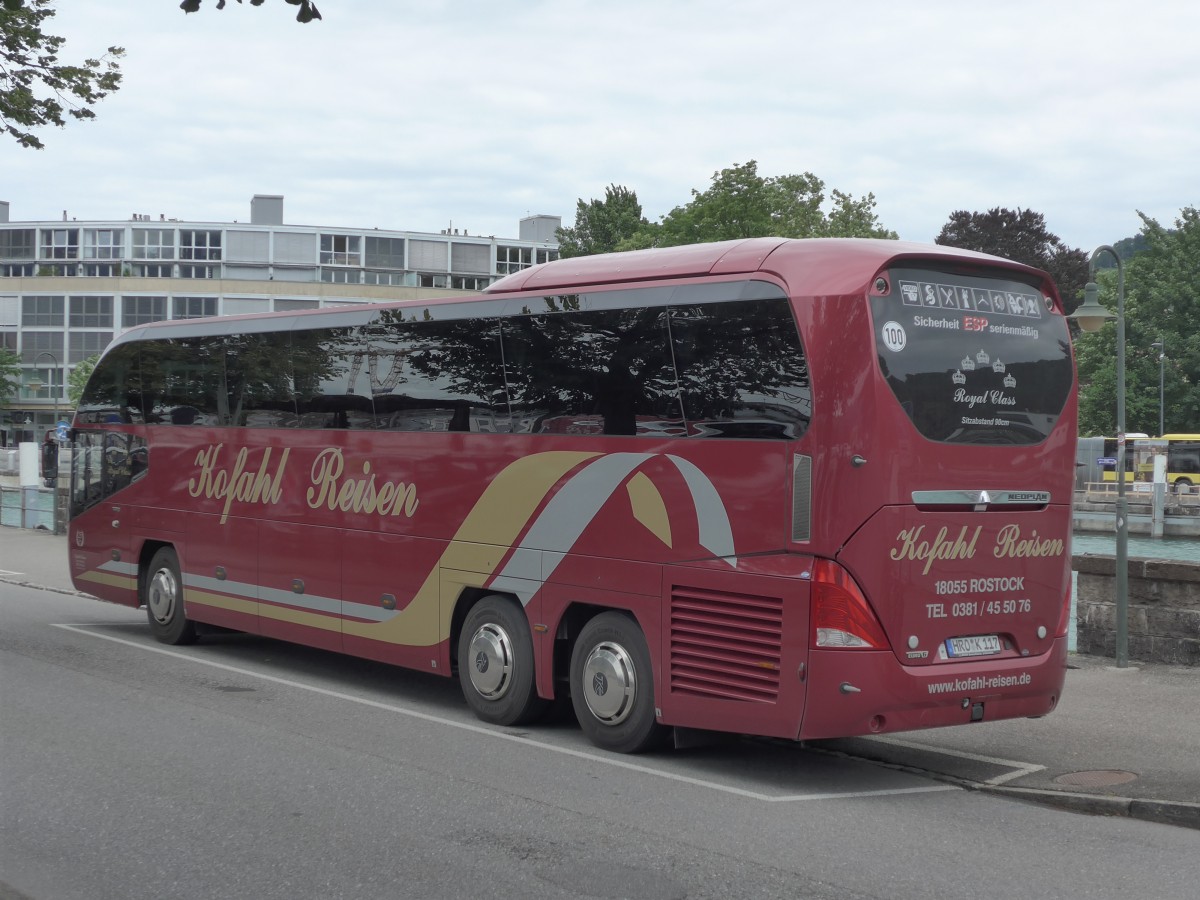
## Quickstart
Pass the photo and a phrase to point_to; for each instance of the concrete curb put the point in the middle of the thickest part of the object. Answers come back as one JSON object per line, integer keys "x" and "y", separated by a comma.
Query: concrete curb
{"x": 45, "y": 587}
{"x": 1164, "y": 812}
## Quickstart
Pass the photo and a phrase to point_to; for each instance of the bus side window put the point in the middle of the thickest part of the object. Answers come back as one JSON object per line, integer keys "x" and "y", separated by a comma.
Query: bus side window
{"x": 742, "y": 369}
{"x": 331, "y": 388}
{"x": 435, "y": 375}
{"x": 259, "y": 382}
{"x": 113, "y": 392}
{"x": 605, "y": 371}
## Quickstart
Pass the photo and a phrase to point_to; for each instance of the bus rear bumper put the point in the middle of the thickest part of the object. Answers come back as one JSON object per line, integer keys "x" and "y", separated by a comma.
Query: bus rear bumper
{"x": 869, "y": 692}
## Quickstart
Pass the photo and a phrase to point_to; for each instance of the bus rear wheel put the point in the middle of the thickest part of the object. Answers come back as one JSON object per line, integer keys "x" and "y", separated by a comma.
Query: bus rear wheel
{"x": 612, "y": 685}
{"x": 162, "y": 593}
{"x": 495, "y": 663}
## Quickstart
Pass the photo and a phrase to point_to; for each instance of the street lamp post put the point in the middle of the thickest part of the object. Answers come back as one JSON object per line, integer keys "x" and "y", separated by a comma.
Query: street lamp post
{"x": 1161, "y": 346}
{"x": 53, "y": 395}
{"x": 1091, "y": 316}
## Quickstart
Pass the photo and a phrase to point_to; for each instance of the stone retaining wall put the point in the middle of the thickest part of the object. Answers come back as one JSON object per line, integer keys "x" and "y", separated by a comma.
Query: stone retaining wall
{"x": 1164, "y": 609}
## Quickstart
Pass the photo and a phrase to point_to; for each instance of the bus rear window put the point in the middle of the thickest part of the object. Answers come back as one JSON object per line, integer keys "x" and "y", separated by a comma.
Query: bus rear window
{"x": 971, "y": 359}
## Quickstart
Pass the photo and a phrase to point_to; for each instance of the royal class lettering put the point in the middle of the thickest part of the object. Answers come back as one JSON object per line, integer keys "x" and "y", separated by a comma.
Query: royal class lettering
{"x": 1010, "y": 544}
{"x": 332, "y": 489}
{"x": 994, "y": 397}
{"x": 238, "y": 481}
{"x": 910, "y": 545}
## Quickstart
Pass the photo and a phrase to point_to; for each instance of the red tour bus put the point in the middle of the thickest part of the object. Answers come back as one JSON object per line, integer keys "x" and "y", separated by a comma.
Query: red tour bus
{"x": 797, "y": 488}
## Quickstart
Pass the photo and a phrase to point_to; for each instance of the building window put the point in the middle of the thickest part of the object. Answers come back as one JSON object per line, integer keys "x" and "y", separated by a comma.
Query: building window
{"x": 545, "y": 255}
{"x": 197, "y": 271}
{"x": 60, "y": 243}
{"x": 341, "y": 276}
{"x": 193, "y": 307}
{"x": 426, "y": 280}
{"x": 42, "y": 311}
{"x": 284, "y": 305}
{"x": 61, "y": 271}
{"x": 393, "y": 278}
{"x": 385, "y": 253}
{"x": 154, "y": 243}
{"x": 340, "y": 250}
{"x": 461, "y": 283}
{"x": 142, "y": 310}
{"x": 101, "y": 270}
{"x": 199, "y": 244}
{"x": 8, "y": 341}
{"x": 152, "y": 270}
{"x": 17, "y": 243}
{"x": 44, "y": 382}
{"x": 103, "y": 243}
{"x": 91, "y": 312}
{"x": 8, "y": 270}
{"x": 513, "y": 259}
{"x": 86, "y": 344}
{"x": 39, "y": 343}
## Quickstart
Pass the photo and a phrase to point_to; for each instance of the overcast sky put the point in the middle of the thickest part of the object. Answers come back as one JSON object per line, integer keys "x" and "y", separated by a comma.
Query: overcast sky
{"x": 472, "y": 114}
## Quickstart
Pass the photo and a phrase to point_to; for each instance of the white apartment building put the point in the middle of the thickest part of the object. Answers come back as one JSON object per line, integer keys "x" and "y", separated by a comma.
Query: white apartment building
{"x": 68, "y": 287}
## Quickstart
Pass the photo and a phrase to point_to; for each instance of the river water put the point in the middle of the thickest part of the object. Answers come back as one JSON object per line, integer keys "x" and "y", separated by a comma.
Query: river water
{"x": 1140, "y": 545}
{"x": 1185, "y": 548}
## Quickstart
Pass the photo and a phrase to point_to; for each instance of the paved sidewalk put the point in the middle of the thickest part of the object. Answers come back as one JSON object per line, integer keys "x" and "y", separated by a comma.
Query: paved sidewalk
{"x": 1123, "y": 742}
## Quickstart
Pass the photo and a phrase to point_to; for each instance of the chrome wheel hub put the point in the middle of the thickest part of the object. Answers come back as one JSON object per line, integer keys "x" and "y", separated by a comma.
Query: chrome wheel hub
{"x": 609, "y": 683}
{"x": 162, "y": 595}
{"x": 490, "y": 661}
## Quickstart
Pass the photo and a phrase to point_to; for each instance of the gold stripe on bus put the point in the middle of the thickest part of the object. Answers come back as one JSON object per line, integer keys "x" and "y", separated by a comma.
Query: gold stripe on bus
{"x": 300, "y": 617}
{"x": 649, "y": 508}
{"x": 128, "y": 582}
{"x": 220, "y": 601}
{"x": 485, "y": 536}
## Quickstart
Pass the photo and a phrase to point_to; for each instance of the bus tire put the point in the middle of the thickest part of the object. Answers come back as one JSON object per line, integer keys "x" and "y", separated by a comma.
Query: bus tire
{"x": 612, "y": 685}
{"x": 495, "y": 663}
{"x": 162, "y": 593}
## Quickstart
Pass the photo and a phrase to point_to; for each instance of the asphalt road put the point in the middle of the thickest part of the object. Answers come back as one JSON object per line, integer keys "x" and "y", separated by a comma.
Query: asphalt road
{"x": 242, "y": 767}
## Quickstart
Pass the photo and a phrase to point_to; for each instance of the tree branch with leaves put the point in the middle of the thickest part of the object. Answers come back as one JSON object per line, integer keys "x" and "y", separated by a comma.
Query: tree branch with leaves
{"x": 307, "y": 12}
{"x": 36, "y": 88}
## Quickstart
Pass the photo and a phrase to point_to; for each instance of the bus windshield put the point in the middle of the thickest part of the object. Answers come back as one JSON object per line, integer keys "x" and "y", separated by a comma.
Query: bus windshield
{"x": 972, "y": 360}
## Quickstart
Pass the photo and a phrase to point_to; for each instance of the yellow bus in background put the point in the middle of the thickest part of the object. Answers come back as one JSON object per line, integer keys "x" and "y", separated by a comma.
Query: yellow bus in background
{"x": 1183, "y": 458}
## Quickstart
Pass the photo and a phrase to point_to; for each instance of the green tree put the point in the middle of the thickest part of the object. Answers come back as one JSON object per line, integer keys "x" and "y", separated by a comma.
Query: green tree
{"x": 1162, "y": 302}
{"x": 306, "y": 13}
{"x": 77, "y": 380}
{"x": 36, "y": 89}
{"x": 740, "y": 203}
{"x": 10, "y": 376}
{"x": 601, "y": 225}
{"x": 1023, "y": 237}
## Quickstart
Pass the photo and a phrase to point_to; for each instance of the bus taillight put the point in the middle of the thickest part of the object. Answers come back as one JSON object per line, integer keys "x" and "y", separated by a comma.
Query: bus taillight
{"x": 841, "y": 616}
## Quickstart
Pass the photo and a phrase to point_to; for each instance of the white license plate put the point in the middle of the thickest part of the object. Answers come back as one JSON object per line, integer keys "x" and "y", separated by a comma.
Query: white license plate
{"x": 976, "y": 645}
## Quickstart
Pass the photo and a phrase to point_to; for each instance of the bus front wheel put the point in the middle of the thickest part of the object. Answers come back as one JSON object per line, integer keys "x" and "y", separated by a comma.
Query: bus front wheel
{"x": 162, "y": 593}
{"x": 495, "y": 663}
{"x": 612, "y": 685}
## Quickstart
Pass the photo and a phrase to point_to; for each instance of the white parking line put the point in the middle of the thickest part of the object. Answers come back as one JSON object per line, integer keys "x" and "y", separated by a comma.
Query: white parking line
{"x": 605, "y": 760}
{"x": 1020, "y": 769}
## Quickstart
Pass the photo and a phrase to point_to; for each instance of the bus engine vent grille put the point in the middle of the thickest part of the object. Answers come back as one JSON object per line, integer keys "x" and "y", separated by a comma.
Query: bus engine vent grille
{"x": 801, "y": 497}
{"x": 725, "y": 645}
